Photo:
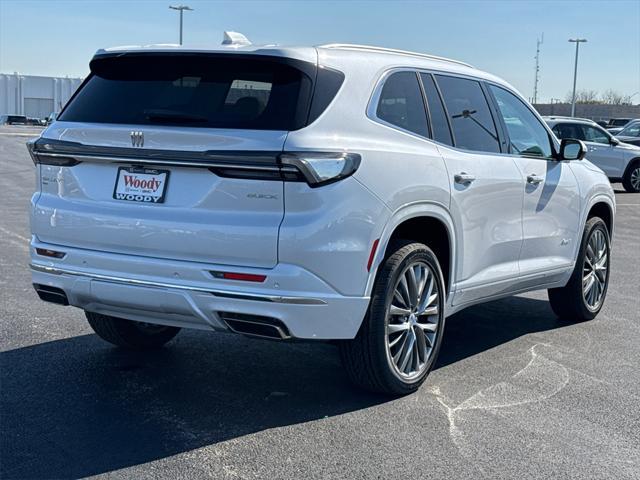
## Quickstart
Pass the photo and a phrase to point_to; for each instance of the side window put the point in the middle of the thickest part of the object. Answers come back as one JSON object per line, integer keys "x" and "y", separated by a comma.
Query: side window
{"x": 401, "y": 103}
{"x": 471, "y": 120}
{"x": 631, "y": 131}
{"x": 439, "y": 123}
{"x": 527, "y": 136}
{"x": 592, "y": 134}
{"x": 567, "y": 130}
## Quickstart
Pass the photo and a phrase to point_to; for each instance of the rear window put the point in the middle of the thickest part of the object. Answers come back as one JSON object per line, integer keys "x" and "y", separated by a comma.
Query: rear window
{"x": 194, "y": 90}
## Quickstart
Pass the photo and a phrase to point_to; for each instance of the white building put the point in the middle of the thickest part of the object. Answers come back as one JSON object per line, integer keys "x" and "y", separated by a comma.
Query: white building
{"x": 34, "y": 96}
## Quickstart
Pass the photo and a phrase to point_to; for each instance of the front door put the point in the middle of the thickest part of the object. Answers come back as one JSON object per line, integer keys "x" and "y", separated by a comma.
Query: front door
{"x": 602, "y": 152}
{"x": 551, "y": 204}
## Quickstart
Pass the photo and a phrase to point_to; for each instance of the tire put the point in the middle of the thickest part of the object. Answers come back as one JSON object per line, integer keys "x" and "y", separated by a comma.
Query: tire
{"x": 631, "y": 179}
{"x": 571, "y": 302}
{"x": 129, "y": 334}
{"x": 369, "y": 359}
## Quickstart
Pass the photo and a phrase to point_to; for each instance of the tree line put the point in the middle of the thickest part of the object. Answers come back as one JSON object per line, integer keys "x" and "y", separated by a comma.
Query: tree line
{"x": 608, "y": 97}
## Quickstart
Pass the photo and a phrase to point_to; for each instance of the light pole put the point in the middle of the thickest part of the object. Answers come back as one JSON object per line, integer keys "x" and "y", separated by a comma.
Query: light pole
{"x": 180, "y": 8}
{"x": 577, "y": 41}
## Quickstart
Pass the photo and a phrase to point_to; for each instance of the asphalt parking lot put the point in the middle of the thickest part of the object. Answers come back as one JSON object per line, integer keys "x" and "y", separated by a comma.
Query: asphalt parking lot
{"x": 516, "y": 393}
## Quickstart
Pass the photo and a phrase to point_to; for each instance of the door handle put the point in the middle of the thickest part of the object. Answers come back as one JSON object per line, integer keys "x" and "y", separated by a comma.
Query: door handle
{"x": 592, "y": 149}
{"x": 464, "y": 178}
{"x": 534, "y": 179}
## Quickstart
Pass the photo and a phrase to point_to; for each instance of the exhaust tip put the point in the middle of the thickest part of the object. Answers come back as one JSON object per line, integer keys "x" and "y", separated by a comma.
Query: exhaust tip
{"x": 256, "y": 325}
{"x": 51, "y": 294}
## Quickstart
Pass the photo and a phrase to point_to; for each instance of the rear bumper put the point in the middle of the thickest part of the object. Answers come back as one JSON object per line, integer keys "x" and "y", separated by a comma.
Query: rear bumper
{"x": 185, "y": 294}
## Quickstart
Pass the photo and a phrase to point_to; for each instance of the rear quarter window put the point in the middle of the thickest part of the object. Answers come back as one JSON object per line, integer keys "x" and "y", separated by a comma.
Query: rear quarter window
{"x": 401, "y": 103}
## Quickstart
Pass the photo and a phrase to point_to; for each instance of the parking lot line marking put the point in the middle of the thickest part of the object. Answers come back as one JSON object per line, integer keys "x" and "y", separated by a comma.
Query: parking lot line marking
{"x": 14, "y": 234}
{"x": 16, "y": 134}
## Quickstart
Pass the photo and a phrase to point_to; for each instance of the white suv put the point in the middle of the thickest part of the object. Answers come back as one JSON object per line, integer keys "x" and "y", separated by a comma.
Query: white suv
{"x": 341, "y": 192}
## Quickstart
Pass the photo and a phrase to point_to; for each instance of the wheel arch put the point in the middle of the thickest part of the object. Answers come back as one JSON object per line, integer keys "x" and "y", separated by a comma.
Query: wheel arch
{"x": 630, "y": 164}
{"x": 430, "y": 224}
{"x": 601, "y": 206}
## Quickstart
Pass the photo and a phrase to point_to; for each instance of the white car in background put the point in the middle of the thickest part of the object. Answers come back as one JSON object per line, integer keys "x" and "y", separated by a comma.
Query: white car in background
{"x": 340, "y": 192}
{"x": 620, "y": 161}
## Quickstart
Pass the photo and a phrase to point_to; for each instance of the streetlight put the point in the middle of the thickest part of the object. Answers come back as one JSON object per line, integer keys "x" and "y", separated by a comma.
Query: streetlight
{"x": 577, "y": 41}
{"x": 180, "y": 8}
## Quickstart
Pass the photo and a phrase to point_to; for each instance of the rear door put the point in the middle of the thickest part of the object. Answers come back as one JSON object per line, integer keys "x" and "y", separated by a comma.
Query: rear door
{"x": 173, "y": 157}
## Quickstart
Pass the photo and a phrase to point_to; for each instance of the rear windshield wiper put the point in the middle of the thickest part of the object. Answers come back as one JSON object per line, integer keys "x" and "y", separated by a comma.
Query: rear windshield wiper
{"x": 161, "y": 116}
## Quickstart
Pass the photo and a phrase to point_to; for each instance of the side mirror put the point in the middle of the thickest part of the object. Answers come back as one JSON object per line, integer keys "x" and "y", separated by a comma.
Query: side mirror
{"x": 572, "y": 149}
{"x": 614, "y": 141}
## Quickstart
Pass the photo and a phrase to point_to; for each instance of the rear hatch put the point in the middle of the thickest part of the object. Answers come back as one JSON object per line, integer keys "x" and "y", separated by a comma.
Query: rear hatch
{"x": 173, "y": 156}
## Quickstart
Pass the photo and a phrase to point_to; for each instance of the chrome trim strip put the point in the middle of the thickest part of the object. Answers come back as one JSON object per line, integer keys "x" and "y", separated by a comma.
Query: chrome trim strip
{"x": 101, "y": 158}
{"x": 256, "y": 297}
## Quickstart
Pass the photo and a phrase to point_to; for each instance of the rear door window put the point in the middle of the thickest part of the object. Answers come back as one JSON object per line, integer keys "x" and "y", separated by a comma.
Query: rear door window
{"x": 469, "y": 114}
{"x": 439, "y": 124}
{"x": 568, "y": 130}
{"x": 193, "y": 90}
{"x": 401, "y": 103}
{"x": 592, "y": 134}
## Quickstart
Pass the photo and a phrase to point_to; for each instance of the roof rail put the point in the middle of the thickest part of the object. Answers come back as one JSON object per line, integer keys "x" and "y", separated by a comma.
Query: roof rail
{"x": 565, "y": 117}
{"x": 368, "y": 48}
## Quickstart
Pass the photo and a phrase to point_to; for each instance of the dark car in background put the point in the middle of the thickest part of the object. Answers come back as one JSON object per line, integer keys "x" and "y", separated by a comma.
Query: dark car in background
{"x": 13, "y": 120}
{"x": 615, "y": 125}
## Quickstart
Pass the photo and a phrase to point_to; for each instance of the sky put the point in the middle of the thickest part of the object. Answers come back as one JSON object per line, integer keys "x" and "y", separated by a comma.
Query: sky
{"x": 59, "y": 37}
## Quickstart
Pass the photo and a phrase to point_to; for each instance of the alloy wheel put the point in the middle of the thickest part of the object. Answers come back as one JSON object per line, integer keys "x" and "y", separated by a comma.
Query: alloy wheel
{"x": 412, "y": 320}
{"x": 596, "y": 265}
{"x": 635, "y": 178}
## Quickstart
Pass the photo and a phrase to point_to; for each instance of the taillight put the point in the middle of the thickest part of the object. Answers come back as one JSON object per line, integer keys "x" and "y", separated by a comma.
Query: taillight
{"x": 322, "y": 168}
{"x": 38, "y": 151}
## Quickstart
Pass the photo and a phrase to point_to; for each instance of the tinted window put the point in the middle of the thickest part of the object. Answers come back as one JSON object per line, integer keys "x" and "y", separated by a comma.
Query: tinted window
{"x": 593, "y": 134}
{"x": 473, "y": 126}
{"x": 568, "y": 130}
{"x": 527, "y": 136}
{"x": 401, "y": 103}
{"x": 439, "y": 124}
{"x": 618, "y": 122}
{"x": 192, "y": 90}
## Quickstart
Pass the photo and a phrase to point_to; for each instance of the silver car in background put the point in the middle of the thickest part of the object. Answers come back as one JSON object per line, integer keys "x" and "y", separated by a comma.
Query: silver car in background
{"x": 630, "y": 133}
{"x": 620, "y": 161}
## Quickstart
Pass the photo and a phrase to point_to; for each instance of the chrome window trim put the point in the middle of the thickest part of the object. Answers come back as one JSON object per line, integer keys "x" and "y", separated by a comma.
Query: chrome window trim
{"x": 374, "y": 99}
{"x": 377, "y": 90}
{"x": 257, "y": 297}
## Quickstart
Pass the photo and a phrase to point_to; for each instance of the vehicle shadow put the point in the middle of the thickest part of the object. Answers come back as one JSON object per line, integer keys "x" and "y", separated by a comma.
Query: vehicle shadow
{"x": 77, "y": 407}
